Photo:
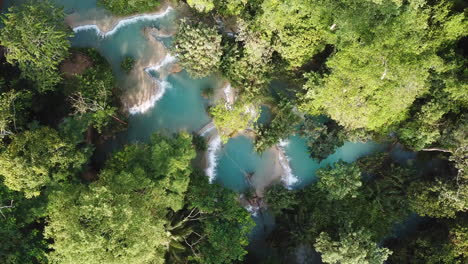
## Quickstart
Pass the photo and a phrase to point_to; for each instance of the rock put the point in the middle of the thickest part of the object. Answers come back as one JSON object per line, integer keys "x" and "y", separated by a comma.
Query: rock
{"x": 176, "y": 68}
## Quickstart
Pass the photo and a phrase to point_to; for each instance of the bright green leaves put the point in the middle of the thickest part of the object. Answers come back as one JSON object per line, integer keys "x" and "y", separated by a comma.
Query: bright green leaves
{"x": 351, "y": 248}
{"x": 225, "y": 224}
{"x": 300, "y": 27}
{"x": 37, "y": 40}
{"x": 340, "y": 182}
{"x": 37, "y": 158}
{"x": 122, "y": 217}
{"x": 283, "y": 124}
{"x": 129, "y": 7}
{"x": 377, "y": 73}
{"x": 201, "y": 5}
{"x": 198, "y": 48}
{"x": 231, "y": 119}
{"x": 92, "y": 98}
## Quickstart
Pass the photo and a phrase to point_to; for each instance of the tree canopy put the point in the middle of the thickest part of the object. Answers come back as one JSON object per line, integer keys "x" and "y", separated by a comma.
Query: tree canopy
{"x": 122, "y": 217}
{"x": 36, "y": 39}
{"x": 198, "y": 48}
{"x": 37, "y": 158}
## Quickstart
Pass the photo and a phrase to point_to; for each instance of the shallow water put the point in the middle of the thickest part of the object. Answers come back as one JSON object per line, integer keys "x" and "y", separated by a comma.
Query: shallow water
{"x": 304, "y": 167}
{"x": 237, "y": 159}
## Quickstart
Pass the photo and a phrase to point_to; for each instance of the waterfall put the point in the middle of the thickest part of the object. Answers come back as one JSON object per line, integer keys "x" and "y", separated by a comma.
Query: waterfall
{"x": 161, "y": 85}
{"x": 289, "y": 179}
{"x": 253, "y": 210}
{"x": 168, "y": 59}
{"x": 122, "y": 23}
{"x": 213, "y": 146}
{"x": 148, "y": 104}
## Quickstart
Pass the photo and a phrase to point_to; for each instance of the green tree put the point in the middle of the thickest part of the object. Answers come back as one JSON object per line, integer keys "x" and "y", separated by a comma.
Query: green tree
{"x": 37, "y": 158}
{"x": 247, "y": 61}
{"x": 230, "y": 120}
{"x": 198, "y": 48}
{"x": 351, "y": 248}
{"x": 224, "y": 224}
{"x": 375, "y": 78}
{"x": 127, "y": 64}
{"x": 340, "y": 181}
{"x": 123, "y": 216}
{"x": 129, "y": 7}
{"x": 439, "y": 198}
{"x": 92, "y": 97}
{"x": 36, "y": 39}
{"x": 201, "y": 5}
{"x": 283, "y": 125}
{"x": 300, "y": 28}
{"x": 435, "y": 241}
{"x": 279, "y": 198}
{"x": 7, "y": 113}
{"x": 322, "y": 138}
{"x": 21, "y": 226}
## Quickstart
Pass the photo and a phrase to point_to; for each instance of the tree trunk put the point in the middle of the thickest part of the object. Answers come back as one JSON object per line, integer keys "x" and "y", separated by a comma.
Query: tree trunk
{"x": 437, "y": 149}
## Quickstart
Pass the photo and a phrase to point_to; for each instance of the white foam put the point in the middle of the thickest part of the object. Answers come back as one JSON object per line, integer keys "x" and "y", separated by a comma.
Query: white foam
{"x": 168, "y": 59}
{"x": 213, "y": 146}
{"x": 161, "y": 86}
{"x": 151, "y": 102}
{"x": 288, "y": 179}
{"x": 253, "y": 210}
{"x": 208, "y": 128}
{"x": 122, "y": 23}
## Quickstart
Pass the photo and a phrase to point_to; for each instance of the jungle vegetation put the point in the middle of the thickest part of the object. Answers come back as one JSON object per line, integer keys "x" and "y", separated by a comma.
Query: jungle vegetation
{"x": 351, "y": 70}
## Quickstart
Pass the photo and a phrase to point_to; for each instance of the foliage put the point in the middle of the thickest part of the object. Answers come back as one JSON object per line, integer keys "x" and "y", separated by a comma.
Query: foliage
{"x": 225, "y": 224}
{"x": 378, "y": 204}
{"x": 129, "y": 7}
{"x": 352, "y": 248}
{"x": 198, "y": 48}
{"x": 122, "y": 217}
{"x": 7, "y": 113}
{"x": 20, "y": 228}
{"x": 300, "y": 28}
{"x": 437, "y": 241}
{"x": 322, "y": 138}
{"x": 201, "y": 5}
{"x": 439, "y": 199}
{"x": 247, "y": 61}
{"x": 282, "y": 125}
{"x": 127, "y": 64}
{"x": 279, "y": 198}
{"x": 341, "y": 181}
{"x": 447, "y": 193}
{"x": 37, "y": 158}
{"x": 37, "y": 40}
{"x": 199, "y": 142}
{"x": 92, "y": 97}
{"x": 230, "y": 120}
{"x": 375, "y": 78}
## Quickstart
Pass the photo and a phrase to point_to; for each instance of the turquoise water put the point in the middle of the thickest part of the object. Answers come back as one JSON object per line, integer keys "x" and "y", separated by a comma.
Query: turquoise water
{"x": 304, "y": 167}
{"x": 181, "y": 108}
{"x": 237, "y": 158}
{"x": 128, "y": 41}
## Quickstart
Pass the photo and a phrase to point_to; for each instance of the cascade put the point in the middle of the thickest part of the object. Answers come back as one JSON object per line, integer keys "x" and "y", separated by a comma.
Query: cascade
{"x": 122, "y": 23}
{"x": 288, "y": 178}
{"x": 213, "y": 146}
{"x": 161, "y": 85}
